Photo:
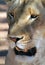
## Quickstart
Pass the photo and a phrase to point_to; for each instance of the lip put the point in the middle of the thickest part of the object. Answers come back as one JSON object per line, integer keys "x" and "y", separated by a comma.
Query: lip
{"x": 30, "y": 52}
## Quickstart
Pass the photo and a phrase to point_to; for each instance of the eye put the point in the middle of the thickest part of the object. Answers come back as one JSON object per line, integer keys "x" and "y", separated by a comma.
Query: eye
{"x": 10, "y": 18}
{"x": 33, "y": 16}
{"x": 10, "y": 15}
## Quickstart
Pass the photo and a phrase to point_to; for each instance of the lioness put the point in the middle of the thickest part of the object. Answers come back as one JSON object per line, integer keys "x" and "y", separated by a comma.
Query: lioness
{"x": 26, "y": 34}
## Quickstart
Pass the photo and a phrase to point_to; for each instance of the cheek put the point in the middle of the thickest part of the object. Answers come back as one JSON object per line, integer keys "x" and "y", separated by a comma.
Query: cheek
{"x": 37, "y": 39}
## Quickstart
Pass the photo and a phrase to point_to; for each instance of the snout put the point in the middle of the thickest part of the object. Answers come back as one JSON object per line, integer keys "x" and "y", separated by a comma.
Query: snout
{"x": 23, "y": 47}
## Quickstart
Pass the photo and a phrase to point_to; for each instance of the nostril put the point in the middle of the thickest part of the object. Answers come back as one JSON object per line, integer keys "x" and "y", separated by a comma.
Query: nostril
{"x": 19, "y": 38}
{"x": 15, "y": 39}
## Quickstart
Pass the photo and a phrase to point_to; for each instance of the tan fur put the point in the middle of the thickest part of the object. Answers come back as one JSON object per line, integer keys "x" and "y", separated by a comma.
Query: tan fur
{"x": 32, "y": 31}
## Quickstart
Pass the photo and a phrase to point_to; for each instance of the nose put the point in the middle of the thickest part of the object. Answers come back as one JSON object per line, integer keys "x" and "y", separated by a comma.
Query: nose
{"x": 15, "y": 38}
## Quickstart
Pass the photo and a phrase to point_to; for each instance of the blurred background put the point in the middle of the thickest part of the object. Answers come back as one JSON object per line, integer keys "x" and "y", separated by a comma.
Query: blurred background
{"x": 3, "y": 32}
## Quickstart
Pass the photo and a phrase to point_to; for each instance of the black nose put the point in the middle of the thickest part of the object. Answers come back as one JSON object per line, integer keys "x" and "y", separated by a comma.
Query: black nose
{"x": 30, "y": 52}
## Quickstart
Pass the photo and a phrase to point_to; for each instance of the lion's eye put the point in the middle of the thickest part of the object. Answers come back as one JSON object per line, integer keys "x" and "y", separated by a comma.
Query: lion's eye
{"x": 10, "y": 15}
{"x": 11, "y": 18}
{"x": 33, "y": 16}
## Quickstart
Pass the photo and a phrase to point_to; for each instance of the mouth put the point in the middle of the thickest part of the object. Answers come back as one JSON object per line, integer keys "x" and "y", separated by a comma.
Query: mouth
{"x": 30, "y": 52}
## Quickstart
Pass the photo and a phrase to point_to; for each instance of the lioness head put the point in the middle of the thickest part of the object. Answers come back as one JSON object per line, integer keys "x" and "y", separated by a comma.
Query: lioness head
{"x": 26, "y": 29}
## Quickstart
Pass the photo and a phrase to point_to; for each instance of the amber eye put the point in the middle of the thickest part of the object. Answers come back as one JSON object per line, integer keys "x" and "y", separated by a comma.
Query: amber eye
{"x": 33, "y": 16}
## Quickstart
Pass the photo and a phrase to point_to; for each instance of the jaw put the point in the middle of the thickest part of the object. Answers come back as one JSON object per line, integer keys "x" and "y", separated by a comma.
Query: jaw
{"x": 28, "y": 56}
{"x": 25, "y": 59}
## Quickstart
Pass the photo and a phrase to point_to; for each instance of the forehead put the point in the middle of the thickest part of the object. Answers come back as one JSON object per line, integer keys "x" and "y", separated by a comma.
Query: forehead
{"x": 26, "y": 8}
